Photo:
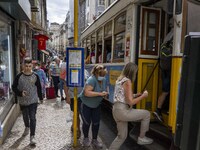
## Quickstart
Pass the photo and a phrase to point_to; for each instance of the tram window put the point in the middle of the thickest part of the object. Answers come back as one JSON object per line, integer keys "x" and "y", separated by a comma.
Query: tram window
{"x": 99, "y": 52}
{"x": 108, "y": 30}
{"x": 120, "y": 23}
{"x": 93, "y": 55}
{"x": 87, "y": 60}
{"x": 150, "y": 31}
{"x": 118, "y": 53}
{"x": 107, "y": 50}
{"x": 99, "y": 45}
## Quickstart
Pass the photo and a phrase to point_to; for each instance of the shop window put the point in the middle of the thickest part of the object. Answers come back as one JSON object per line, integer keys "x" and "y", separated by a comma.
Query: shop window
{"x": 5, "y": 63}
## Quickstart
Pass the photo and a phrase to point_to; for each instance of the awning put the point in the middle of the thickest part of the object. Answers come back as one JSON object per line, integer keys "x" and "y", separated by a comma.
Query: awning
{"x": 45, "y": 52}
{"x": 18, "y": 9}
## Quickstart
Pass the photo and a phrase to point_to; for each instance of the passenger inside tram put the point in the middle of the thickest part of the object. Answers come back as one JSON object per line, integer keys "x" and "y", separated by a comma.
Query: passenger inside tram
{"x": 87, "y": 58}
{"x": 165, "y": 66}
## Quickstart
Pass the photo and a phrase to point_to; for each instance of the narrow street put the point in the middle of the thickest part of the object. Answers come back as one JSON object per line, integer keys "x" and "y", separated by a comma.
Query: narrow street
{"x": 52, "y": 130}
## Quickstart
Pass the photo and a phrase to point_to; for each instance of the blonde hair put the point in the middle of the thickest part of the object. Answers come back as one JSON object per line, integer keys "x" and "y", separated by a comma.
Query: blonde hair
{"x": 99, "y": 69}
{"x": 129, "y": 71}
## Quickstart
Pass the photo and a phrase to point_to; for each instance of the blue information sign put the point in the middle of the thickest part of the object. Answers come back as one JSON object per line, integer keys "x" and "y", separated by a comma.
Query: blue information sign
{"x": 75, "y": 66}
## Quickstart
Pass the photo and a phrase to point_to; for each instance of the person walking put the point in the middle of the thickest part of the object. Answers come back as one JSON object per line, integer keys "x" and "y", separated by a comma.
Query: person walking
{"x": 54, "y": 73}
{"x": 27, "y": 88}
{"x": 123, "y": 112}
{"x": 91, "y": 97}
{"x": 62, "y": 78}
{"x": 43, "y": 80}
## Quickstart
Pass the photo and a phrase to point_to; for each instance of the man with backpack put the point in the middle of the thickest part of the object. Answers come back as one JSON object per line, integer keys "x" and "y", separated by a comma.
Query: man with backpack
{"x": 165, "y": 65}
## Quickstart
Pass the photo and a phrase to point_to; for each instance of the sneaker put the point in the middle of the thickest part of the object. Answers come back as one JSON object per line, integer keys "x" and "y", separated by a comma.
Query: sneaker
{"x": 145, "y": 140}
{"x": 26, "y": 131}
{"x": 97, "y": 144}
{"x": 62, "y": 99}
{"x": 32, "y": 140}
{"x": 86, "y": 142}
{"x": 158, "y": 116}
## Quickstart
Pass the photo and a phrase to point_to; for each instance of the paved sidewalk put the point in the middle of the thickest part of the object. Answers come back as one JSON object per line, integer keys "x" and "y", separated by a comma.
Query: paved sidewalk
{"x": 52, "y": 130}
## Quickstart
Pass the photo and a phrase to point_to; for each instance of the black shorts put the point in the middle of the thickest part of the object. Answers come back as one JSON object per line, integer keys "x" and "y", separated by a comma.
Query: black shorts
{"x": 166, "y": 76}
{"x": 72, "y": 104}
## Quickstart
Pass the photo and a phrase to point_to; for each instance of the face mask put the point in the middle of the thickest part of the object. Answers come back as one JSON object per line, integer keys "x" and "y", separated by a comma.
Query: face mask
{"x": 36, "y": 67}
{"x": 101, "y": 78}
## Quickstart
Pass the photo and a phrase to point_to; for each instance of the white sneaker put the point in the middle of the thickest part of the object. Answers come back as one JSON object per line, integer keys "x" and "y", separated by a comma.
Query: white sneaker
{"x": 32, "y": 140}
{"x": 86, "y": 142}
{"x": 26, "y": 131}
{"x": 97, "y": 144}
{"x": 145, "y": 140}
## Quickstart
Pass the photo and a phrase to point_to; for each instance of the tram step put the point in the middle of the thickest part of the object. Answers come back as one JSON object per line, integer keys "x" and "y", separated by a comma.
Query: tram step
{"x": 160, "y": 132}
{"x": 154, "y": 146}
{"x": 161, "y": 139}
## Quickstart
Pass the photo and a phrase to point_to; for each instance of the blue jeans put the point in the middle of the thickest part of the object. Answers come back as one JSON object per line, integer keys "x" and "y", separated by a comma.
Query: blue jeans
{"x": 29, "y": 117}
{"x": 56, "y": 80}
{"x": 90, "y": 115}
{"x": 61, "y": 85}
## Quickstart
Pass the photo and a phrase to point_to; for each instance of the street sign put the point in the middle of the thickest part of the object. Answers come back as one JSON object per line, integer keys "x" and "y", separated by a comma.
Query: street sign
{"x": 75, "y": 66}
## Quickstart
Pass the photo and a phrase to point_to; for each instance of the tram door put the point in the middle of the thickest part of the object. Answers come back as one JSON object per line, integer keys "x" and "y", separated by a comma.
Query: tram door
{"x": 148, "y": 74}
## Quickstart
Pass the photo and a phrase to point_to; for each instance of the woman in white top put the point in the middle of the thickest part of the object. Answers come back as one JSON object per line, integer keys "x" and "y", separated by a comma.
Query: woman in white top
{"x": 123, "y": 112}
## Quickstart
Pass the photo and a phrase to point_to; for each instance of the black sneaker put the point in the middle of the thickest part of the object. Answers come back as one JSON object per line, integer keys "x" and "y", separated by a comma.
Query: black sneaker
{"x": 158, "y": 116}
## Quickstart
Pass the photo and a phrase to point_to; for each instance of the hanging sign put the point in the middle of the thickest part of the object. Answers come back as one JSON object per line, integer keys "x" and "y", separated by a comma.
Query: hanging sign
{"x": 41, "y": 41}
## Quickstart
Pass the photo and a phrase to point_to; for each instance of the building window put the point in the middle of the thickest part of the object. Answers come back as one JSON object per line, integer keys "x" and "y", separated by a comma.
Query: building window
{"x": 102, "y": 2}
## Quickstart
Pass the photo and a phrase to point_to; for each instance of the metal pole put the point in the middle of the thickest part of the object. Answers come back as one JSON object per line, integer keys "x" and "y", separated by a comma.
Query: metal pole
{"x": 75, "y": 88}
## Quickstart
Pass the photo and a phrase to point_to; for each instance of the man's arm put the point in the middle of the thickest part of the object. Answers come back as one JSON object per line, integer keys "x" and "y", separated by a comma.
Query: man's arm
{"x": 15, "y": 85}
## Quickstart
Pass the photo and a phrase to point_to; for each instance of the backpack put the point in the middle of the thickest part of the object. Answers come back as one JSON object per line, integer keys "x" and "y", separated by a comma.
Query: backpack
{"x": 166, "y": 55}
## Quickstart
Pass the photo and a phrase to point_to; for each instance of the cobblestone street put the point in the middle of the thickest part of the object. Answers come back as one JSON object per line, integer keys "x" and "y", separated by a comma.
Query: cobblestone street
{"x": 52, "y": 130}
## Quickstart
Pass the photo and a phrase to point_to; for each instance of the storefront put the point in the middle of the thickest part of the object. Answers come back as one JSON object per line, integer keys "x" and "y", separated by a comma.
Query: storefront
{"x": 6, "y": 64}
{"x": 13, "y": 36}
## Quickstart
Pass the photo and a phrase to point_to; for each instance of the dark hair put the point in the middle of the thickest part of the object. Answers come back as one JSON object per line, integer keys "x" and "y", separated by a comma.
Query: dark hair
{"x": 129, "y": 71}
{"x": 27, "y": 60}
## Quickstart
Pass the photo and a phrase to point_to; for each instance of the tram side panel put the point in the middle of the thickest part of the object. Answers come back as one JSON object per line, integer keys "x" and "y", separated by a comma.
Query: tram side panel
{"x": 112, "y": 75}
